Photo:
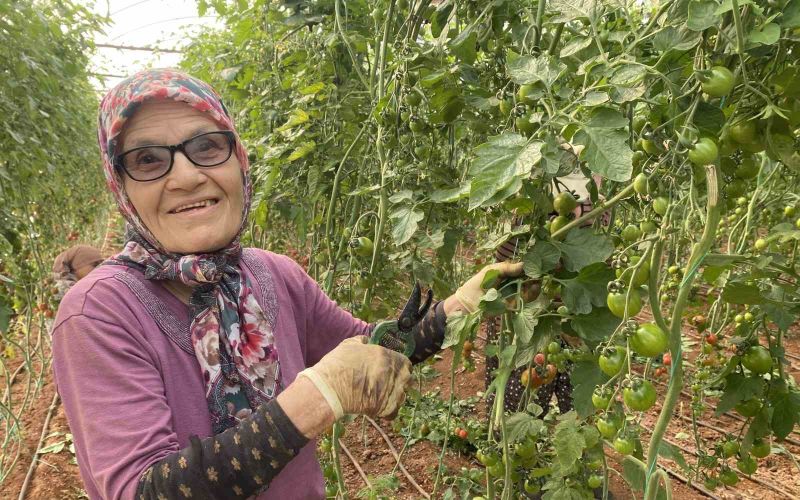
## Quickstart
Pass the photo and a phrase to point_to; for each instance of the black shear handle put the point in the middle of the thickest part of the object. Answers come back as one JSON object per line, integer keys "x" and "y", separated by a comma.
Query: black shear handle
{"x": 412, "y": 312}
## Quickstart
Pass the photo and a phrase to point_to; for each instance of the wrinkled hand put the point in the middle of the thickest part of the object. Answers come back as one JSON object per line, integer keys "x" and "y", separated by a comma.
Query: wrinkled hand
{"x": 470, "y": 293}
{"x": 361, "y": 378}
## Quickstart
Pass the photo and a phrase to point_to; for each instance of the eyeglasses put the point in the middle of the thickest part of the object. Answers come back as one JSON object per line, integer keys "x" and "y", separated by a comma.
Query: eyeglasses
{"x": 148, "y": 163}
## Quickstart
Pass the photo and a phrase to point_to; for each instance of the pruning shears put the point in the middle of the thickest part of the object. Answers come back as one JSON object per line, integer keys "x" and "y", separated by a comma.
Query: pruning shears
{"x": 396, "y": 334}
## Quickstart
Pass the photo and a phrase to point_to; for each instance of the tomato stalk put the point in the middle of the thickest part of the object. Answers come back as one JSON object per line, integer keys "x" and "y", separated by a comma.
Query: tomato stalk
{"x": 602, "y": 207}
{"x": 676, "y": 377}
{"x": 383, "y": 204}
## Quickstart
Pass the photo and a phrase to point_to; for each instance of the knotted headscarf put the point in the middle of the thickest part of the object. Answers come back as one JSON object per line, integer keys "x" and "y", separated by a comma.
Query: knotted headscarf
{"x": 232, "y": 340}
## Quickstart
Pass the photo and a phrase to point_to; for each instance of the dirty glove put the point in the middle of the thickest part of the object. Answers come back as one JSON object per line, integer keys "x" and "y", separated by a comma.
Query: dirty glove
{"x": 470, "y": 293}
{"x": 361, "y": 378}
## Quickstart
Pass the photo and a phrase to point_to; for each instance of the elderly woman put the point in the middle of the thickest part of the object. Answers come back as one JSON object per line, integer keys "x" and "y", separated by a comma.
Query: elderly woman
{"x": 188, "y": 366}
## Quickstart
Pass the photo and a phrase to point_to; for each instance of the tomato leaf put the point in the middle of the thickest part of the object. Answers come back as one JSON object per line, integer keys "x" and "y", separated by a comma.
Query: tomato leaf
{"x": 585, "y": 376}
{"x": 702, "y": 15}
{"x": 568, "y": 441}
{"x": 767, "y": 35}
{"x": 786, "y": 410}
{"x": 405, "y": 223}
{"x": 596, "y": 326}
{"x": 458, "y": 328}
{"x": 542, "y": 258}
{"x": 587, "y": 289}
{"x": 738, "y": 388}
{"x": 521, "y": 425}
{"x": 583, "y": 247}
{"x": 672, "y": 452}
{"x": 500, "y": 163}
{"x": 790, "y": 18}
{"x": 736, "y": 292}
{"x": 532, "y": 69}
{"x": 606, "y": 148}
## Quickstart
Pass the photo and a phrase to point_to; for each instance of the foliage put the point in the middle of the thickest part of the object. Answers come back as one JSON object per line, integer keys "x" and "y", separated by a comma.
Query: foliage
{"x": 442, "y": 130}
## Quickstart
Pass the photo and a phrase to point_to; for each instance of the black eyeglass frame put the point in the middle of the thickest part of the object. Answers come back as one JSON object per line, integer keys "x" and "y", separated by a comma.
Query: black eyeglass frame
{"x": 120, "y": 165}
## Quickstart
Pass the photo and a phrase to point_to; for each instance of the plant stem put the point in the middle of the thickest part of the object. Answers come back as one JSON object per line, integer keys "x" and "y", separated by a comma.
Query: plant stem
{"x": 676, "y": 375}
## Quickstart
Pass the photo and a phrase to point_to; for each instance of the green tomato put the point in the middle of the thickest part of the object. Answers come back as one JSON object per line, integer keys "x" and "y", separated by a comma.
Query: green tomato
{"x": 526, "y": 92}
{"x": 747, "y": 465}
{"x": 747, "y": 169}
{"x": 594, "y": 481}
{"x": 735, "y": 188}
{"x": 525, "y": 449}
{"x": 640, "y": 397}
{"x": 362, "y": 246}
{"x": 624, "y": 446}
{"x": 648, "y": 226}
{"x": 531, "y": 486}
{"x": 730, "y": 448}
{"x": 728, "y": 477}
{"x": 601, "y": 400}
{"x": 631, "y": 233}
{"x": 640, "y": 277}
{"x": 719, "y": 83}
{"x": 554, "y": 347}
{"x": 757, "y": 359}
{"x": 748, "y": 408}
{"x": 651, "y": 147}
{"x": 641, "y": 184}
{"x": 413, "y": 98}
{"x": 704, "y": 152}
{"x": 660, "y": 205}
{"x": 789, "y": 211}
{"x": 612, "y": 363}
{"x": 760, "y": 244}
{"x": 649, "y": 340}
{"x": 617, "y": 301}
{"x": 557, "y": 223}
{"x": 523, "y": 124}
{"x": 607, "y": 427}
{"x": 761, "y": 448}
{"x": 743, "y": 131}
{"x": 505, "y": 106}
{"x": 564, "y": 203}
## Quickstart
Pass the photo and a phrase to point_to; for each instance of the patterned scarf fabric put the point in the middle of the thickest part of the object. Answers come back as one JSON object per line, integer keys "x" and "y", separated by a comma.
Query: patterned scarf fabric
{"x": 232, "y": 339}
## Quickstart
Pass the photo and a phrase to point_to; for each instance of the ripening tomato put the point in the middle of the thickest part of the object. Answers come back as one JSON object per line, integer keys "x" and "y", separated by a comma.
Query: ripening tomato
{"x": 667, "y": 359}
{"x": 704, "y": 152}
{"x": 719, "y": 82}
{"x": 612, "y": 362}
{"x": 641, "y": 396}
{"x": 617, "y": 302}
{"x": 757, "y": 359}
{"x": 649, "y": 340}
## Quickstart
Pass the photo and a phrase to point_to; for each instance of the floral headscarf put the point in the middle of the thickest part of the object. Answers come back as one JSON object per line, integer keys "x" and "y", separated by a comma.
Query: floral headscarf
{"x": 232, "y": 340}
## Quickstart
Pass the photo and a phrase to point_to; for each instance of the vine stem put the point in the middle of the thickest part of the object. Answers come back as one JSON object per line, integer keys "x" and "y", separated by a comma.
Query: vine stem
{"x": 383, "y": 205}
{"x": 595, "y": 211}
{"x": 676, "y": 377}
{"x": 45, "y": 426}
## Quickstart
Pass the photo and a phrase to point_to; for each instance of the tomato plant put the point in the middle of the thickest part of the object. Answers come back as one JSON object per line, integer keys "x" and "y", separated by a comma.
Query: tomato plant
{"x": 442, "y": 131}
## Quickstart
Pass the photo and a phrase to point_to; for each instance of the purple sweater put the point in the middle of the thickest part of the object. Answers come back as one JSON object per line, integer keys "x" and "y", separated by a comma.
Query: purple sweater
{"x": 130, "y": 383}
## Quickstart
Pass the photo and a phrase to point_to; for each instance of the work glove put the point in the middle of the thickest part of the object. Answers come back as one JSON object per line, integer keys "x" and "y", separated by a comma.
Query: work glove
{"x": 361, "y": 378}
{"x": 470, "y": 293}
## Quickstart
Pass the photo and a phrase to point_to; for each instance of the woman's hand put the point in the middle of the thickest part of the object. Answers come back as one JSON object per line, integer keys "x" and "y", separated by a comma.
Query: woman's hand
{"x": 361, "y": 378}
{"x": 469, "y": 295}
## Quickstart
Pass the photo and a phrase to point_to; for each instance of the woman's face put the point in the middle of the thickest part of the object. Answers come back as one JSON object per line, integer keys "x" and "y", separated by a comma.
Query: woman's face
{"x": 163, "y": 204}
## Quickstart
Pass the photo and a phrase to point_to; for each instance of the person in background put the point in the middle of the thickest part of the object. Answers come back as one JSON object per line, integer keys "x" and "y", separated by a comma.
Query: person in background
{"x": 74, "y": 264}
